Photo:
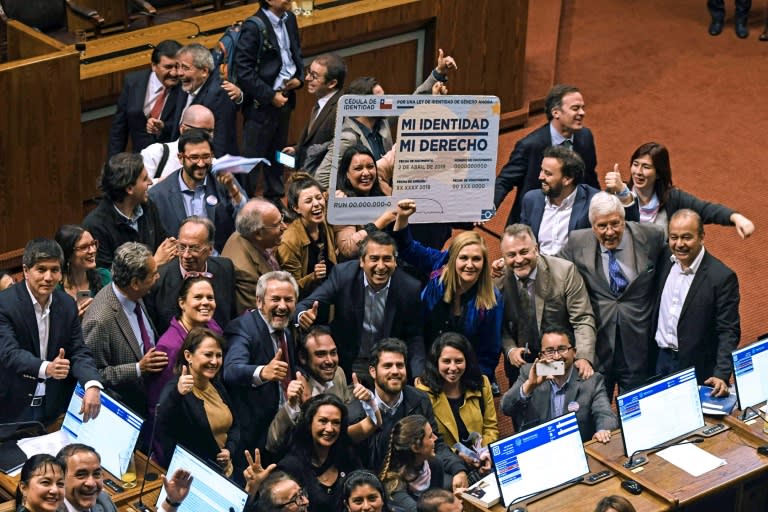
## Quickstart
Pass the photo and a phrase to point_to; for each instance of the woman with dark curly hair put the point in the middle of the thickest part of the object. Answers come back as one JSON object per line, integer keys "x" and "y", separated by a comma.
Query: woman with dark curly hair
{"x": 461, "y": 396}
{"x": 79, "y": 270}
{"x": 321, "y": 455}
{"x": 410, "y": 467}
{"x": 650, "y": 181}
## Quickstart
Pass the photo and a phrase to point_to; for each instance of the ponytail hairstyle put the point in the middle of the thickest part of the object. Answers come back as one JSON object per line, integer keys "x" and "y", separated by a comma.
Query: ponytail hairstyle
{"x": 407, "y": 434}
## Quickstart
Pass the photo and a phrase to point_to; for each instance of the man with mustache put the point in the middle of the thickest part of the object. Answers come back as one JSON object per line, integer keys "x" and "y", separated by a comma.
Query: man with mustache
{"x": 319, "y": 372}
{"x": 618, "y": 262}
{"x": 194, "y": 190}
{"x": 564, "y": 107}
{"x": 697, "y": 307}
{"x": 260, "y": 360}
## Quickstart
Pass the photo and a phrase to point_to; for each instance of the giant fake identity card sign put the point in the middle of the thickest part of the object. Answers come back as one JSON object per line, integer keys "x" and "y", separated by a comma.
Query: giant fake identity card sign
{"x": 444, "y": 152}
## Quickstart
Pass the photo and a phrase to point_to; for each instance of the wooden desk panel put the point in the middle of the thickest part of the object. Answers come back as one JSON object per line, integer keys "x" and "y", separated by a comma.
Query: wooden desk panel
{"x": 660, "y": 476}
{"x": 583, "y": 498}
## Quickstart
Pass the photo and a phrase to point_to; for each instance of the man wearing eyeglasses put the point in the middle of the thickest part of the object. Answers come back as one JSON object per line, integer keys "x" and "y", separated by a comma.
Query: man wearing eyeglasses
{"x": 161, "y": 159}
{"x": 618, "y": 261}
{"x": 535, "y": 398}
{"x": 194, "y": 190}
{"x": 281, "y": 493}
{"x": 325, "y": 81}
{"x": 193, "y": 257}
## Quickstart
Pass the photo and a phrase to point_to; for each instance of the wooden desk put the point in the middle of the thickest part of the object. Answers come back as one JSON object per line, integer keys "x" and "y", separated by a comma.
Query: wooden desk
{"x": 673, "y": 483}
{"x": 583, "y": 498}
{"x": 9, "y": 483}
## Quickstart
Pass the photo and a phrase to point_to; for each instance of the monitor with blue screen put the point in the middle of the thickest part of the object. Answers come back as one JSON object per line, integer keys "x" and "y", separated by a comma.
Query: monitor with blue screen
{"x": 659, "y": 412}
{"x": 750, "y": 367}
{"x": 210, "y": 490}
{"x": 523, "y": 463}
{"x": 113, "y": 432}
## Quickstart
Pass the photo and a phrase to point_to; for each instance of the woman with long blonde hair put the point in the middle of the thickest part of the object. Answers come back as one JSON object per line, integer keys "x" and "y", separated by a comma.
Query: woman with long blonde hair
{"x": 460, "y": 295}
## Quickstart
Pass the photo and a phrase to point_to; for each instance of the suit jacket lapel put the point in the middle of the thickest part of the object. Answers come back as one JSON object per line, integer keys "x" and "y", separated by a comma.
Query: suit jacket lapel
{"x": 175, "y": 197}
{"x": 358, "y": 298}
{"x": 541, "y": 288}
{"x": 29, "y": 318}
{"x": 579, "y": 205}
{"x": 641, "y": 255}
{"x": 698, "y": 278}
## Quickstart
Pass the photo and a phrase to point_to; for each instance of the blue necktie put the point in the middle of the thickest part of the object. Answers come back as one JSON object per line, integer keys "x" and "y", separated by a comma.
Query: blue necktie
{"x": 617, "y": 280}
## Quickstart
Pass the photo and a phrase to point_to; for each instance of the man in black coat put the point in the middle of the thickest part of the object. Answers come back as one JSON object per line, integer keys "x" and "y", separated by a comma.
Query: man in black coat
{"x": 564, "y": 107}
{"x": 41, "y": 344}
{"x": 360, "y": 289}
{"x": 268, "y": 82}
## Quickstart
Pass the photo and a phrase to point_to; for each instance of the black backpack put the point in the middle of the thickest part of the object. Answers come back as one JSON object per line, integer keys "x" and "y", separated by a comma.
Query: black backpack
{"x": 224, "y": 52}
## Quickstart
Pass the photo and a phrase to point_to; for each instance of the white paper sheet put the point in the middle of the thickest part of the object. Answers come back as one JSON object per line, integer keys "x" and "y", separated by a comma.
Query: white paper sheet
{"x": 691, "y": 459}
{"x": 49, "y": 443}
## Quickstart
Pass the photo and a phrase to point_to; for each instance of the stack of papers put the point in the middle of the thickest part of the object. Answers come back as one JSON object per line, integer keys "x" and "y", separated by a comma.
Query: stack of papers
{"x": 484, "y": 493}
{"x": 716, "y": 406}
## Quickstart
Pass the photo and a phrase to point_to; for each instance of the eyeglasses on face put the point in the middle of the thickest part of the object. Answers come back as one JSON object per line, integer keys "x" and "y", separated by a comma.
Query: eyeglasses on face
{"x": 308, "y": 73}
{"x": 94, "y": 244}
{"x": 209, "y": 131}
{"x": 193, "y": 249}
{"x": 562, "y": 350}
{"x": 614, "y": 225}
{"x": 273, "y": 226}
{"x": 197, "y": 158}
{"x": 301, "y": 495}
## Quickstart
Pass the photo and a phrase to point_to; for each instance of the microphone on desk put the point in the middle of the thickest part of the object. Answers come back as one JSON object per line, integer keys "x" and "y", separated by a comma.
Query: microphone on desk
{"x": 633, "y": 462}
{"x": 148, "y": 476}
{"x": 168, "y": 18}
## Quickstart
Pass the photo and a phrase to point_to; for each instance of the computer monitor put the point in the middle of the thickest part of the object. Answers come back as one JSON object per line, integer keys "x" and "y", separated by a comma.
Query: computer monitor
{"x": 750, "y": 366}
{"x": 539, "y": 459}
{"x": 210, "y": 491}
{"x": 659, "y": 412}
{"x": 112, "y": 433}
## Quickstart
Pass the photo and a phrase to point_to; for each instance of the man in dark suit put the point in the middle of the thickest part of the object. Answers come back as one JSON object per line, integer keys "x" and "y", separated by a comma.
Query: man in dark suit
{"x": 697, "y": 307}
{"x": 194, "y": 190}
{"x": 260, "y": 360}
{"x": 373, "y": 299}
{"x": 618, "y": 261}
{"x": 325, "y": 81}
{"x": 118, "y": 330}
{"x": 535, "y": 399}
{"x": 149, "y": 94}
{"x": 562, "y": 204}
{"x": 41, "y": 344}
{"x": 195, "y": 244}
{"x": 269, "y": 69}
{"x": 203, "y": 85}
{"x": 564, "y": 106}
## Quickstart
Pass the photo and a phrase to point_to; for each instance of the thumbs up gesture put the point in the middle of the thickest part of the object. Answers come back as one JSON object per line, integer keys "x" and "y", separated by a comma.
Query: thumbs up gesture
{"x": 308, "y": 317}
{"x": 359, "y": 391}
{"x": 276, "y": 370}
{"x": 58, "y": 368}
{"x": 295, "y": 391}
{"x": 186, "y": 381}
{"x": 613, "y": 182}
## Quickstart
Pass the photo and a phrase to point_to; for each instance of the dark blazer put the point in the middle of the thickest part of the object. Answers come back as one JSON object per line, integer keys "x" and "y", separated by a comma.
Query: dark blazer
{"x": 257, "y": 77}
{"x": 162, "y": 301}
{"x": 116, "y": 350}
{"x": 344, "y": 289}
{"x": 711, "y": 213}
{"x": 111, "y": 230}
{"x": 212, "y": 96}
{"x": 632, "y": 311}
{"x": 20, "y": 357}
{"x": 322, "y": 131}
{"x": 167, "y": 196}
{"x": 594, "y": 412}
{"x": 522, "y": 169}
{"x": 181, "y": 419}
{"x": 130, "y": 120}
{"x": 534, "y": 203}
{"x": 709, "y": 328}
{"x": 250, "y": 345}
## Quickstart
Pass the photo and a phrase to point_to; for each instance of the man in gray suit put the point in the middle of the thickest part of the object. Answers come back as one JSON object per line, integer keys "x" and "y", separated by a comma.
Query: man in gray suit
{"x": 117, "y": 328}
{"x": 531, "y": 401}
{"x": 540, "y": 291}
{"x": 618, "y": 261}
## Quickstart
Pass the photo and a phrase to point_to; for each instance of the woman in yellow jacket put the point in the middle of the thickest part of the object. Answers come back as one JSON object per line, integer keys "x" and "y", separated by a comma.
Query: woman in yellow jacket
{"x": 461, "y": 398}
